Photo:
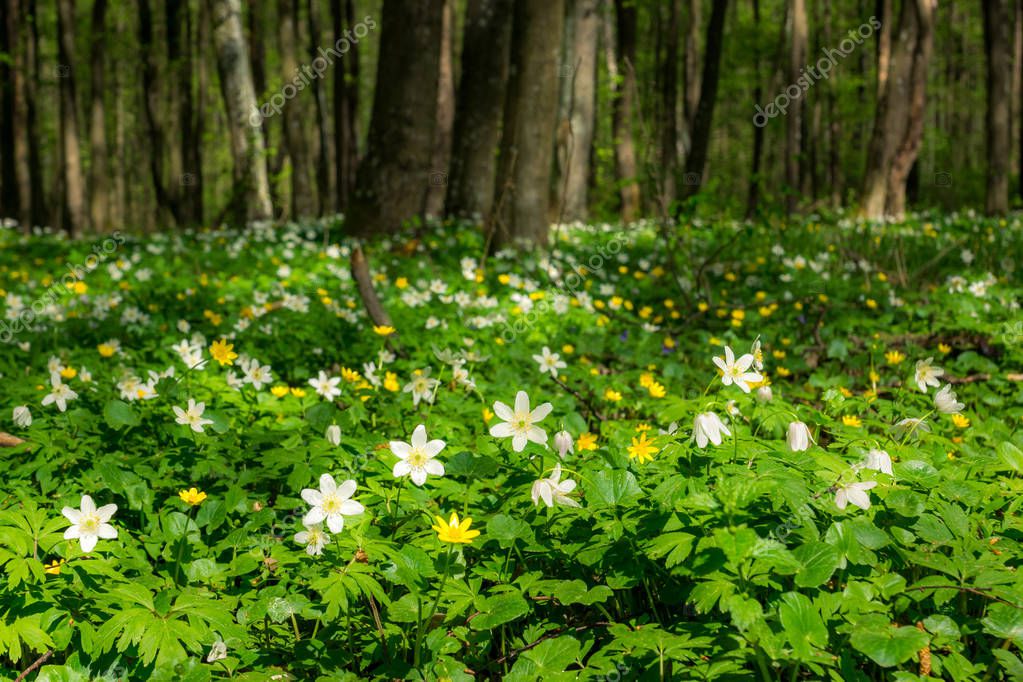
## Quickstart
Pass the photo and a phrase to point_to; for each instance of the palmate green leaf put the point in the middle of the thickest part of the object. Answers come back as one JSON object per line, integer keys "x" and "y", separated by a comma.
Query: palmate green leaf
{"x": 119, "y": 414}
{"x": 575, "y": 592}
{"x": 1005, "y": 622}
{"x": 886, "y": 644}
{"x": 612, "y": 487}
{"x": 499, "y": 609}
{"x": 1010, "y": 454}
{"x": 548, "y": 660}
{"x": 506, "y": 530}
{"x": 672, "y": 547}
{"x": 818, "y": 561}
{"x": 803, "y": 626}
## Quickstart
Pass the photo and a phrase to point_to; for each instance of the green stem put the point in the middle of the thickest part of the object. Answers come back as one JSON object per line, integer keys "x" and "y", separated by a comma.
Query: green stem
{"x": 433, "y": 609}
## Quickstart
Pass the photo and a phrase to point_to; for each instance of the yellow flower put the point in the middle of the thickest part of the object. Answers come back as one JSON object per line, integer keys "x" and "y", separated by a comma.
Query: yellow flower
{"x": 642, "y": 449}
{"x": 568, "y": 349}
{"x": 646, "y": 379}
{"x": 894, "y": 357}
{"x": 612, "y": 395}
{"x": 298, "y": 392}
{"x": 874, "y": 377}
{"x": 80, "y": 287}
{"x": 586, "y": 441}
{"x": 53, "y": 568}
{"x": 391, "y": 382}
{"x": 192, "y": 497}
{"x": 961, "y": 421}
{"x": 487, "y": 415}
{"x": 69, "y": 372}
{"x": 223, "y": 352}
{"x": 871, "y": 303}
{"x": 279, "y": 391}
{"x": 851, "y": 420}
{"x": 383, "y": 329}
{"x": 106, "y": 350}
{"x": 401, "y": 282}
{"x": 349, "y": 375}
{"x": 657, "y": 390}
{"x": 944, "y": 349}
{"x": 783, "y": 371}
{"x": 454, "y": 531}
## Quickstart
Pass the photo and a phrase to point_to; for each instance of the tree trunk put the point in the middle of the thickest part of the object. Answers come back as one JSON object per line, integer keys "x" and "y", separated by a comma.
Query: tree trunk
{"x": 624, "y": 104}
{"x": 326, "y": 181}
{"x": 9, "y": 195}
{"x": 99, "y": 190}
{"x": 834, "y": 123}
{"x": 692, "y": 66}
{"x": 243, "y": 117}
{"x": 346, "y": 105}
{"x": 794, "y": 117}
{"x": 582, "y": 76}
{"x": 522, "y": 188}
{"x": 394, "y": 178}
{"x": 21, "y": 140}
{"x": 440, "y": 159}
{"x": 697, "y": 159}
{"x": 998, "y": 20}
{"x": 74, "y": 181}
{"x": 479, "y": 108}
{"x": 921, "y": 21}
{"x": 753, "y": 195}
{"x": 668, "y": 108}
{"x": 303, "y": 200}
{"x": 157, "y": 134}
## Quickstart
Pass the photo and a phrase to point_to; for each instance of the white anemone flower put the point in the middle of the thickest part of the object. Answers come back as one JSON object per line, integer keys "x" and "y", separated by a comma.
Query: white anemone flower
{"x": 878, "y": 460}
{"x": 549, "y": 362}
{"x": 854, "y": 493}
{"x": 799, "y": 437}
{"x": 192, "y": 417}
{"x": 708, "y": 427}
{"x": 331, "y": 503}
{"x": 946, "y": 401}
{"x": 314, "y": 538}
{"x": 59, "y": 394}
{"x": 416, "y": 459}
{"x": 89, "y": 524}
{"x": 926, "y": 374}
{"x": 736, "y": 370}
{"x": 520, "y": 424}
{"x": 553, "y": 490}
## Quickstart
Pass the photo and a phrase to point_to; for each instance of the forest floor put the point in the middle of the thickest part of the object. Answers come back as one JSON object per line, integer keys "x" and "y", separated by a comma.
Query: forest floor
{"x": 772, "y": 450}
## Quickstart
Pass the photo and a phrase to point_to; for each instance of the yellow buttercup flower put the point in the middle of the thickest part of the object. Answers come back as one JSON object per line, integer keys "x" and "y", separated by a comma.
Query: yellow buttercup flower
{"x": 454, "y": 531}
{"x": 944, "y": 349}
{"x": 894, "y": 357}
{"x": 69, "y": 372}
{"x": 961, "y": 421}
{"x": 612, "y": 395}
{"x": 383, "y": 330}
{"x": 568, "y": 349}
{"x": 223, "y": 352}
{"x": 487, "y": 415}
{"x": 106, "y": 350}
{"x": 391, "y": 382}
{"x": 646, "y": 379}
{"x": 349, "y": 375}
{"x": 192, "y": 497}
{"x": 657, "y": 390}
{"x": 53, "y": 568}
{"x": 279, "y": 391}
{"x": 80, "y": 288}
{"x": 586, "y": 441}
{"x": 852, "y": 420}
{"x": 298, "y": 392}
{"x": 642, "y": 449}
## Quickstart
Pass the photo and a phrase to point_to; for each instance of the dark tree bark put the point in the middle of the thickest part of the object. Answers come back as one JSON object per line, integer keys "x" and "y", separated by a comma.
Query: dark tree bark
{"x": 393, "y": 179}
{"x": 184, "y": 184}
{"x": 692, "y": 66}
{"x": 668, "y": 107}
{"x": 326, "y": 181}
{"x": 250, "y": 174}
{"x": 794, "y": 116}
{"x": 9, "y": 196}
{"x": 834, "y": 123}
{"x": 522, "y": 188}
{"x": 167, "y": 207}
{"x": 581, "y": 74}
{"x": 624, "y": 71}
{"x": 73, "y": 179}
{"x": 440, "y": 159}
{"x": 697, "y": 159}
{"x": 479, "y": 107}
{"x": 345, "y": 100}
{"x": 753, "y": 195}
{"x": 998, "y": 25}
{"x": 293, "y": 120}
{"x": 99, "y": 187}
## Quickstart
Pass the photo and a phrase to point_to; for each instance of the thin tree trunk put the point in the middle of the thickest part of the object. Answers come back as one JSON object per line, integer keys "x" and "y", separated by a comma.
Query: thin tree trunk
{"x": 157, "y": 134}
{"x": 922, "y": 13}
{"x": 624, "y": 104}
{"x": 74, "y": 181}
{"x": 668, "y": 106}
{"x": 522, "y": 188}
{"x": 31, "y": 80}
{"x": 9, "y": 195}
{"x": 479, "y": 107}
{"x": 303, "y": 200}
{"x": 394, "y": 178}
{"x": 753, "y": 195}
{"x": 99, "y": 191}
{"x": 583, "y": 83}
{"x": 794, "y": 116}
{"x": 692, "y": 67}
{"x": 440, "y": 159}
{"x": 346, "y": 104}
{"x": 998, "y": 16}
{"x": 697, "y": 159}
{"x": 240, "y": 102}
{"x": 326, "y": 180}
{"x": 19, "y": 121}
{"x": 834, "y": 123}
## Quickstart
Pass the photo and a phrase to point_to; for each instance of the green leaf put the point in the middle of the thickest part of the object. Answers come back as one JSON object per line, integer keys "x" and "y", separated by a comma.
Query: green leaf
{"x": 818, "y": 561}
{"x": 120, "y": 414}
{"x": 498, "y": 610}
{"x": 612, "y": 487}
{"x": 803, "y": 625}
{"x": 885, "y": 644}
